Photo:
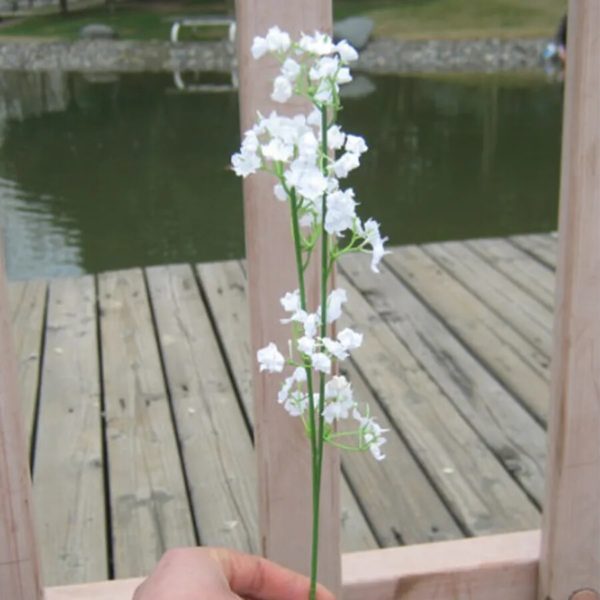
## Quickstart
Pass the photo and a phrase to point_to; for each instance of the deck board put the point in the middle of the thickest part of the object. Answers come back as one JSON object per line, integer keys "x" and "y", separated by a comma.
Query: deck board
{"x": 68, "y": 483}
{"x": 455, "y": 363}
{"x": 28, "y": 306}
{"x": 148, "y": 498}
{"x": 215, "y": 441}
{"x": 515, "y": 361}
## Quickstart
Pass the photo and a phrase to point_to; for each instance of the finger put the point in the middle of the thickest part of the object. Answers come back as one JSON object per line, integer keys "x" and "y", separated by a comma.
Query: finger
{"x": 261, "y": 579}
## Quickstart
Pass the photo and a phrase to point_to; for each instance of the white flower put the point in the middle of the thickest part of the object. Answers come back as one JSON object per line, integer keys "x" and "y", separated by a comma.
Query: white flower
{"x": 356, "y": 144}
{"x": 321, "y": 362}
{"x": 277, "y": 150}
{"x": 250, "y": 143}
{"x": 335, "y": 348}
{"x": 280, "y": 192}
{"x": 346, "y": 51}
{"x": 311, "y": 324}
{"x": 270, "y": 359}
{"x": 370, "y": 231}
{"x": 315, "y": 118}
{"x": 307, "y": 179}
{"x": 245, "y": 163}
{"x": 335, "y": 137}
{"x": 308, "y": 145}
{"x": 340, "y": 211}
{"x": 259, "y": 47}
{"x": 343, "y": 76}
{"x": 324, "y": 93}
{"x": 277, "y": 40}
{"x": 282, "y": 89}
{"x": 346, "y": 163}
{"x": 296, "y": 404}
{"x": 350, "y": 339}
{"x": 298, "y": 376}
{"x": 290, "y": 69}
{"x": 306, "y": 345}
{"x": 291, "y": 301}
{"x": 319, "y": 43}
{"x": 334, "y": 304}
{"x": 371, "y": 434}
{"x": 339, "y": 391}
{"x": 324, "y": 67}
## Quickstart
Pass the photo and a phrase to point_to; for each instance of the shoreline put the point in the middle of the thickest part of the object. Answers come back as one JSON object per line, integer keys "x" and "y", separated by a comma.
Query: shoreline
{"x": 383, "y": 56}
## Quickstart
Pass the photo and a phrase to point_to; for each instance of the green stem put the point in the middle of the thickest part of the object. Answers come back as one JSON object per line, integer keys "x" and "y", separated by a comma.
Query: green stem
{"x": 311, "y": 407}
{"x": 324, "y": 281}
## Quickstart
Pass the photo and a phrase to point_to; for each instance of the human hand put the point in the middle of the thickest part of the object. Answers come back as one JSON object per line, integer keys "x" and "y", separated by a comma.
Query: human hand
{"x": 221, "y": 574}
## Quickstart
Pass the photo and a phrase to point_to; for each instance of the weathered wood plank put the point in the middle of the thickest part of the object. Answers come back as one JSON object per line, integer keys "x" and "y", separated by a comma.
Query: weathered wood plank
{"x": 19, "y": 558}
{"x": 496, "y": 567}
{"x": 225, "y": 286}
{"x": 68, "y": 477}
{"x": 518, "y": 309}
{"x": 502, "y": 423}
{"x": 481, "y": 494}
{"x": 398, "y": 497}
{"x": 522, "y": 368}
{"x": 28, "y": 304}
{"x": 215, "y": 442}
{"x": 148, "y": 499}
{"x": 540, "y": 246}
{"x": 513, "y": 262}
{"x": 570, "y": 555}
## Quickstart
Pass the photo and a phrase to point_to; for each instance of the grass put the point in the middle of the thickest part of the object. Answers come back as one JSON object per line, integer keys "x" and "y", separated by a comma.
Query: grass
{"x": 404, "y": 19}
{"x": 133, "y": 22}
{"x": 463, "y": 19}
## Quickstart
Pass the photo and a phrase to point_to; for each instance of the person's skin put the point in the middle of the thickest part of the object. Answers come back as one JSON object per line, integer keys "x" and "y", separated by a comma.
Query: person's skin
{"x": 221, "y": 574}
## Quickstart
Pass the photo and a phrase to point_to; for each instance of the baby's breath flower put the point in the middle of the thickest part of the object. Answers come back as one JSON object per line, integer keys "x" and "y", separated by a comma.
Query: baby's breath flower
{"x": 270, "y": 359}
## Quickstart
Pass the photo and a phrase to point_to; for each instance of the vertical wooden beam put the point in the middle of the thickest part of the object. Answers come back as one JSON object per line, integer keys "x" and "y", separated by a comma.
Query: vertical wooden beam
{"x": 19, "y": 565}
{"x": 282, "y": 449}
{"x": 570, "y": 559}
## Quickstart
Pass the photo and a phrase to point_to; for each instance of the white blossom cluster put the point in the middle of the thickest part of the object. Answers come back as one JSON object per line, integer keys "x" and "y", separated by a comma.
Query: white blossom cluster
{"x": 309, "y": 154}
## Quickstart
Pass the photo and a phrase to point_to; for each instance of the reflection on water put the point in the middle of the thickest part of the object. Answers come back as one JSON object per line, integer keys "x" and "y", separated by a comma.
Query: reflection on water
{"x": 113, "y": 172}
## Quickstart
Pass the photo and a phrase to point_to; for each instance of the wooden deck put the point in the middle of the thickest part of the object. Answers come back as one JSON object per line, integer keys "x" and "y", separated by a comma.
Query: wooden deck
{"x": 136, "y": 394}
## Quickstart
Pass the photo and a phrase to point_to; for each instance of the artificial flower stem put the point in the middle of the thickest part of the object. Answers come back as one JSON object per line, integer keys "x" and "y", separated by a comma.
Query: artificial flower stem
{"x": 324, "y": 282}
{"x": 314, "y": 446}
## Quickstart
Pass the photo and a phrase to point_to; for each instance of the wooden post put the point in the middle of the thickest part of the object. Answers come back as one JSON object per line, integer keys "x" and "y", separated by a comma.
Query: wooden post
{"x": 20, "y": 577}
{"x": 570, "y": 557}
{"x": 282, "y": 448}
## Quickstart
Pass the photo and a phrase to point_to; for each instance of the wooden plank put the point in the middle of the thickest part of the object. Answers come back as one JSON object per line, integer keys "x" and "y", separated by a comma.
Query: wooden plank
{"x": 451, "y": 453}
{"x": 518, "y": 309}
{"x": 20, "y": 573}
{"x": 528, "y": 274}
{"x": 508, "y": 430}
{"x": 28, "y": 304}
{"x": 571, "y": 530}
{"x": 541, "y": 246}
{"x": 522, "y": 368}
{"x": 68, "y": 477}
{"x": 215, "y": 442}
{"x": 495, "y": 568}
{"x": 224, "y": 284}
{"x": 149, "y": 506}
{"x": 492, "y": 568}
{"x": 121, "y": 589}
{"x": 284, "y": 485}
{"x": 400, "y": 501}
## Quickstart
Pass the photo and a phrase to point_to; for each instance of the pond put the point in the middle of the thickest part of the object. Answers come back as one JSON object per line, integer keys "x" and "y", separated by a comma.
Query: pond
{"x": 110, "y": 172}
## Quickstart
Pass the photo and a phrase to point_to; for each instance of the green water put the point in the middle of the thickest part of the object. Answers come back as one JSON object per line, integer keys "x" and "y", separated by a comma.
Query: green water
{"x": 128, "y": 172}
